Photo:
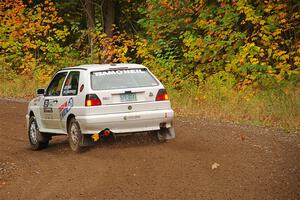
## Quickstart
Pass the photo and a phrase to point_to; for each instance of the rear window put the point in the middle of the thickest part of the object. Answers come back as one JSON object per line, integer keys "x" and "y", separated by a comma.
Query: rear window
{"x": 122, "y": 78}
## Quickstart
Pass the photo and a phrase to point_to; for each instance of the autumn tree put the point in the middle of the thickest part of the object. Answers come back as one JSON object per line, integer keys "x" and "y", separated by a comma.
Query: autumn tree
{"x": 31, "y": 37}
{"x": 249, "y": 41}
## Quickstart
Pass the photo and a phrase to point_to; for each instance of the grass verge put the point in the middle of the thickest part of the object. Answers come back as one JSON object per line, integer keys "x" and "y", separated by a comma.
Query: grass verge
{"x": 19, "y": 88}
{"x": 274, "y": 107}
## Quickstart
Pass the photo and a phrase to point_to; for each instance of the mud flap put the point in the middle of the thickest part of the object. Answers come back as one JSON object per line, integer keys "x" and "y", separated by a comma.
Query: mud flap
{"x": 166, "y": 133}
{"x": 87, "y": 140}
{"x": 43, "y": 137}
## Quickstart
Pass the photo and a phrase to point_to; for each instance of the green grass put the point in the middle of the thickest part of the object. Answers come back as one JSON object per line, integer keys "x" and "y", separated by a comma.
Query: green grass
{"x": 275, "y": 107}
{"x": 19, "y": 88}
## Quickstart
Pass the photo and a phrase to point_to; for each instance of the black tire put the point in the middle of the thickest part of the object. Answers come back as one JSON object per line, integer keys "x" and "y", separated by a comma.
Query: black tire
{"x": 37, "y": 139}
{"x": 75, "y": 136}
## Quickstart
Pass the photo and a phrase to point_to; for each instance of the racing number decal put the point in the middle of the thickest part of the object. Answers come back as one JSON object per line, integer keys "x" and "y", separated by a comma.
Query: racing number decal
{"x": 65, "y": 107}
{"x": 47, "y": 109}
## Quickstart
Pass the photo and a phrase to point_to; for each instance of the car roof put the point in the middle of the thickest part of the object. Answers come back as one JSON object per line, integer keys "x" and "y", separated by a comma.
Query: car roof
{"x": 97, "y": 67}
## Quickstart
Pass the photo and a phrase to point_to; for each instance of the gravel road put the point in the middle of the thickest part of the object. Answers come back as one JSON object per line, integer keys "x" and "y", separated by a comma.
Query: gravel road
{"x": 207, "y": 160}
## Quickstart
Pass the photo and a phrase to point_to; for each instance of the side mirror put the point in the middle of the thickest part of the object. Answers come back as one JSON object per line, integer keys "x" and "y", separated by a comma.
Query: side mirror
{"x": 40, "y": 91}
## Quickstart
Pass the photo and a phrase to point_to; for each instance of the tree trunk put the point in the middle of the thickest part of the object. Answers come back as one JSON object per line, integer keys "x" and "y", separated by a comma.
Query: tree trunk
{"x": 109, "y": 7}
{"x": 90, "y": 13}
{"x": 89, "y": 10}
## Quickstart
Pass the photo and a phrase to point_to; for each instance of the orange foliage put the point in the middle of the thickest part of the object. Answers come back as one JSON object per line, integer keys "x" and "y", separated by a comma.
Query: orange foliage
{"x": 28, "y": 34}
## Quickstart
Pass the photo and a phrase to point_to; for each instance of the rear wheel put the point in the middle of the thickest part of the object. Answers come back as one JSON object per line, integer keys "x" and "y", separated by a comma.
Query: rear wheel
{"x": 37, "y": 139}
{"x": 75, "y": 136}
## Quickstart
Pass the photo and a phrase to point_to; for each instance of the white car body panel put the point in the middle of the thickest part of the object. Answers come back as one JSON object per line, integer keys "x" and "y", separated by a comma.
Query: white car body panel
{"x": 144, "y": 114}
{"x": 126, "y": 122}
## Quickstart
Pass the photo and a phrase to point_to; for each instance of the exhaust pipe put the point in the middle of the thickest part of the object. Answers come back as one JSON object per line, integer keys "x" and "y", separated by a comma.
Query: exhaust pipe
{"x": 106, "y": 132}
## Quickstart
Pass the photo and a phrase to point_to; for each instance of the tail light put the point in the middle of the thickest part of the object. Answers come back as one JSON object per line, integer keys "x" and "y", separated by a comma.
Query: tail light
{"x": 162, "y": 95}
{"x": 92, "y": 100}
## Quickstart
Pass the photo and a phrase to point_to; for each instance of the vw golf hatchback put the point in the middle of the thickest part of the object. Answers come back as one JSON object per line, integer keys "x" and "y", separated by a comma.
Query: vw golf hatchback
{"x": 88, "y": 102}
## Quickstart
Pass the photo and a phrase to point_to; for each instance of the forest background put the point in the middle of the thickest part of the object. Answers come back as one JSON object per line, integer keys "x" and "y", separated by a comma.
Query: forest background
{"x": 228, "y": 60}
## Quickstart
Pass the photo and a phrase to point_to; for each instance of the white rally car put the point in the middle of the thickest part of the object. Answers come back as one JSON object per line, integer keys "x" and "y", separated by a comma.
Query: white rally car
{"x": 91, "y": 101}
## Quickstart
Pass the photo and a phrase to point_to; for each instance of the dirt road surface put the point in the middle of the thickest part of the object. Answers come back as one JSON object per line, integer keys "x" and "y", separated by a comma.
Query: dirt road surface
{"x": 248, "y": 162}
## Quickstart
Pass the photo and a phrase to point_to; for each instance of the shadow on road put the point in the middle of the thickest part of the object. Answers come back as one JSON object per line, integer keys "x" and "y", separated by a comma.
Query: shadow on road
{"x": 59, "y": 143}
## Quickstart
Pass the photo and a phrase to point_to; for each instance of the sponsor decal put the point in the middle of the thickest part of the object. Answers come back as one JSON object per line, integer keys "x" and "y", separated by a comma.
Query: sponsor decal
{"x": 119, "y": 72}
{"x": 67, "y": 87}
{"x": 69, "y": 92}
{"x": 48, "y": 110}
{"x": 65, "y": 107}
{"x": 134, "y": 117}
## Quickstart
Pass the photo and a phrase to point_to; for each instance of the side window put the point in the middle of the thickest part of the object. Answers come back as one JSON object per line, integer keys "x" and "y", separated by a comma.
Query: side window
{"x": 56, "y": 84}
{"x": 71, "y": 84}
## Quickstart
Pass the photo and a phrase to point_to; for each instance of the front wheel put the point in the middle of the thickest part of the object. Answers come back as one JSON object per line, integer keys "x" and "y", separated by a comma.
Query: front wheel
{"x": 75, "y": 136}
{"x": 37, "y": 139}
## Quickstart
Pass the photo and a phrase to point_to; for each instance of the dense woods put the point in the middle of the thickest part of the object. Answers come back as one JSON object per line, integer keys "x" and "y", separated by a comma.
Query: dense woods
{"x": 221, "y": 53}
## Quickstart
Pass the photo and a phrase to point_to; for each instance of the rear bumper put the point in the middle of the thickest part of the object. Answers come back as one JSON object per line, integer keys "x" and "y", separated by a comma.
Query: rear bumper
{"x": 126, "y": 122}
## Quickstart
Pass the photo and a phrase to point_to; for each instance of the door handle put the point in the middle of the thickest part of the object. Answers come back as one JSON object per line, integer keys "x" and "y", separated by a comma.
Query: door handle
{"x": 55, "y": 101}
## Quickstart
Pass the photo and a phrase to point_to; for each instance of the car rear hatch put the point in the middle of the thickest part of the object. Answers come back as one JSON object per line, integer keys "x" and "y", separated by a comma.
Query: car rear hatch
{"x": 126, "y": 90}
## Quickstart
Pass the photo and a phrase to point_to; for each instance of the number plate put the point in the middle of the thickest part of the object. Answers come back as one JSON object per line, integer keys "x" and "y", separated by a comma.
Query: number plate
{"x": 128, "y": 97}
